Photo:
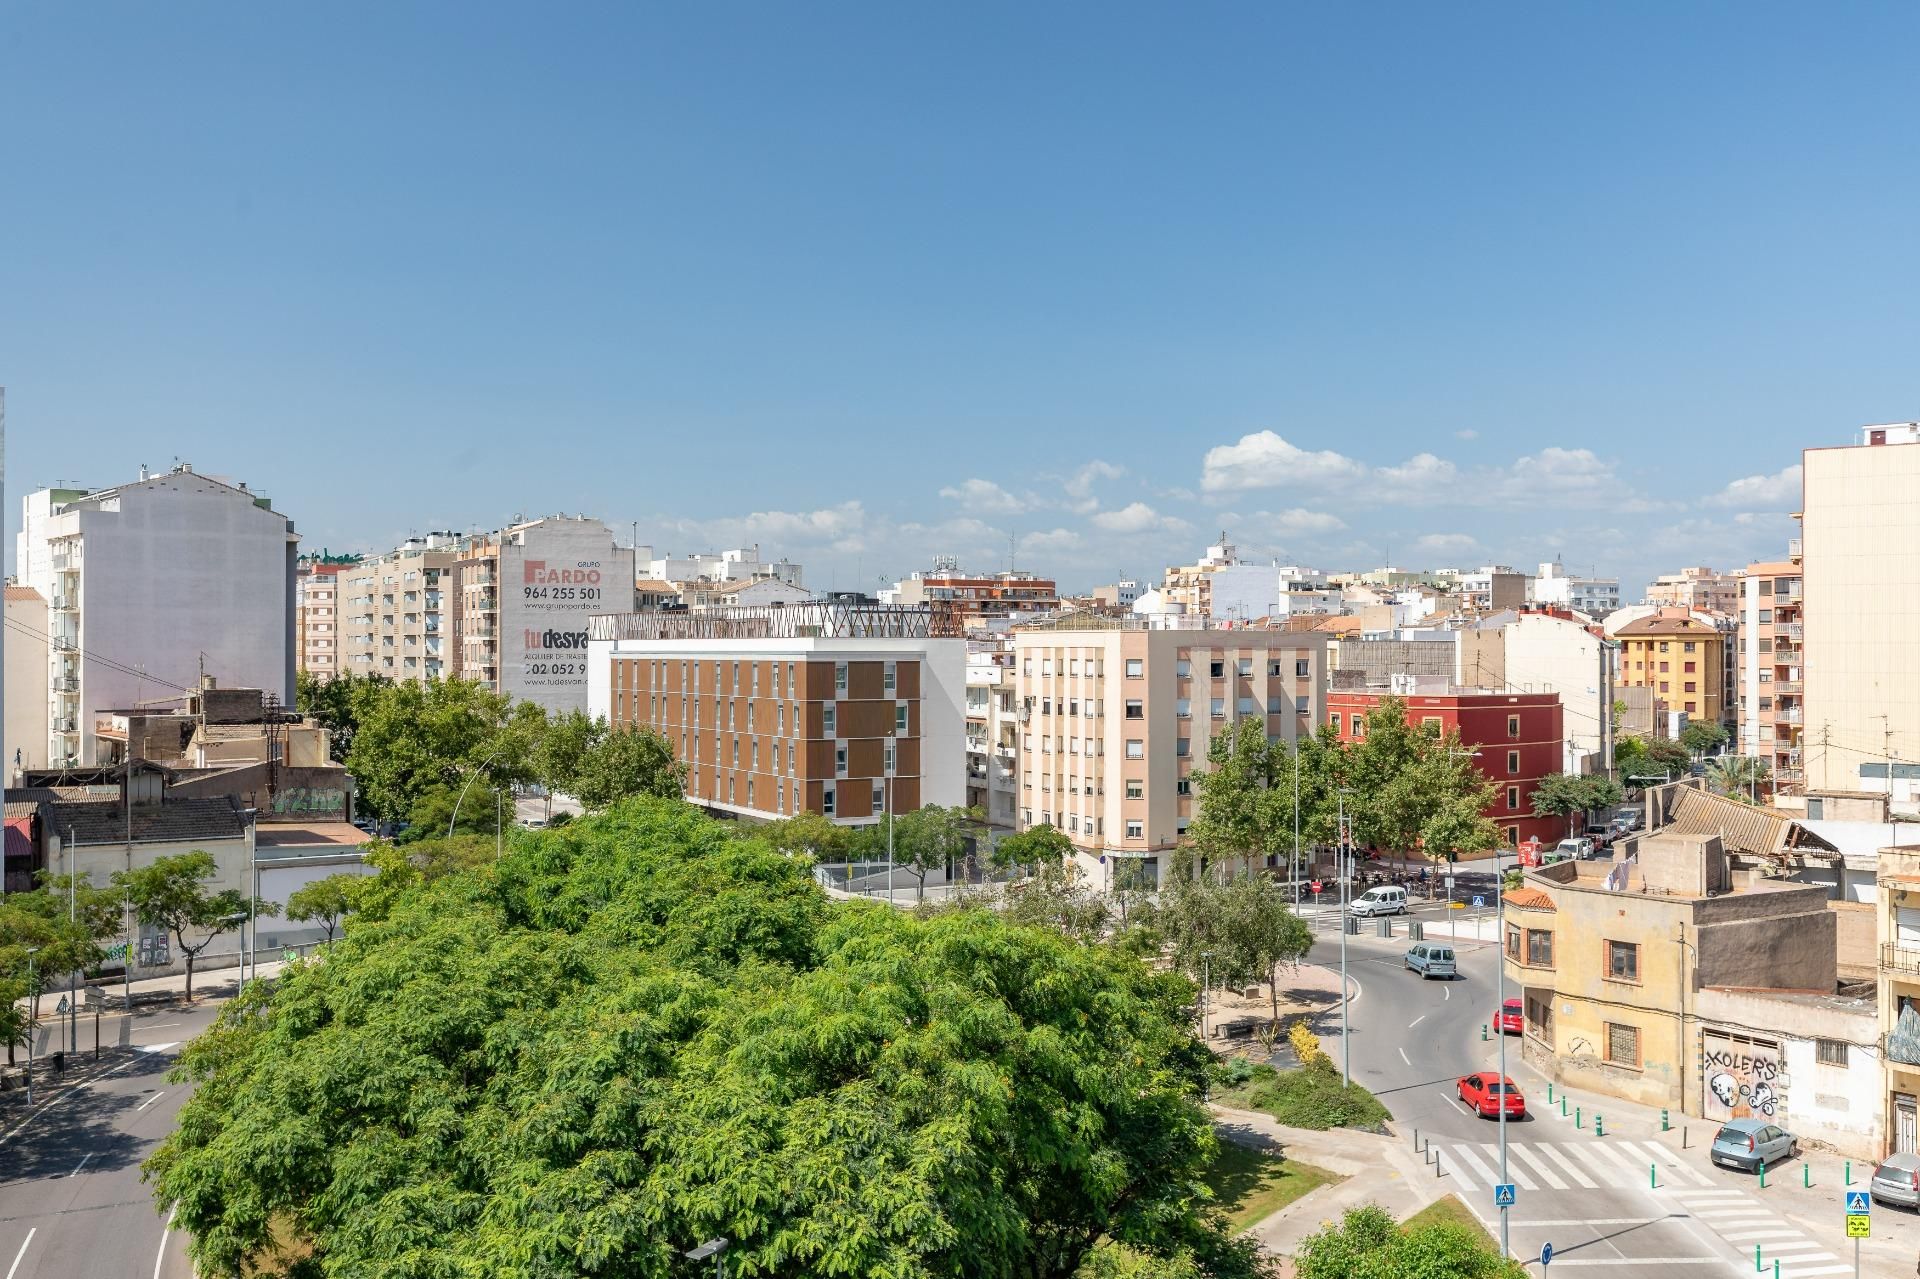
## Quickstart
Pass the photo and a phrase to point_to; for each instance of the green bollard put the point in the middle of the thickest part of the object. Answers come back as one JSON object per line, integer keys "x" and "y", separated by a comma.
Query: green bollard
{"x": 1665, "y": 1125}
{"x": 1576, "y": 1118}
{"x": 1806, "y": 1175}
{"x": 1549, "y": 1094}
{"x": 1776, "y": 1268}
{"x": 1483, "y": 1034}
{"x": 1849, "y": 1172}
{"x": 1763, "y": 1176}
{"x": 1599, "y": 1125}
{"x": 1563, "y": 1105}
{"x": 1653, "y": 1176}
{"x": 1757, "y": 1267}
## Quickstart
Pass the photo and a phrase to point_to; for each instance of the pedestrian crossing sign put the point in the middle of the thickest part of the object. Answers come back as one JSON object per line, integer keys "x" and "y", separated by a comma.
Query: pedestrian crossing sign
{"x": 1503, "y": 1196}
{"x": 1859, "y": 1201}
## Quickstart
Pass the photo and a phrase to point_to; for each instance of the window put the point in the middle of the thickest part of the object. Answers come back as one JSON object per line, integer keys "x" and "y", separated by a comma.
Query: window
{"x": 1183, "y": 708}
{"x": 1513, "y": 944}
{"x": 1665, "y": 687}
{"x": 839, "y": 677}
{"x": 1623, "y": 961}
{"x": 826, "y": 799}
{"x": 829, "y": 717}
{"x": 1183, "y": 786}
{"x": 1245, "y": 666}
{"x": 1359, "y": 725}
{"x": 1073, "y": 823}
{"x": 1135, "y": 668}
{"x": 1073, "y": 666}
{"x": 1513, "y": 726}
{"x": 1136, "y": 830}
{"x": 1273, "y": 670}
{"x": 1046, "y": 706}
{"x": 889, "y": 680}
{"x": 1690, "y": 646}
{"x": 1690, "y": 687}
{"x": 886, "y": 755}
{"x": 1333, "y": 718}
{"x": 1540, "y": 948}
{"x": 1218, "y": 707}
{"x": 776, "y": 757}
{"x": 839, "y": 761}
{"x": 900, "y": 718}
{"x": 776, "y": 679}
{"x": 1623, "y": 1045}
{"x": 1182, "y": 746}
{"x": 1688, "y": 668}
{"x": 1182, "y": 669}
{"x": 1135, "y": 788}
{"x": 1300, "y": 668}
{"x": 1217, "y": 668}
{"x": 1830, "y": 1052}
{"x": 1136, "y": 749}
{"x": 1136, "y": 709}
{"x": 1276, "y": 705}
{"x": 1513, "y": 798}
{"x": 1513, "y": 763}
{"x": 1046, "y": 666}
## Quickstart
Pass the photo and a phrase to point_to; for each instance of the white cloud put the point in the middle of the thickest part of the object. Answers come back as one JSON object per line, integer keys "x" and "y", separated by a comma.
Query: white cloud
{"x": 1558, "y": 470}
{"x": 1058, "y": 539}
{"x": 1080, "y": 483}
{"x": 984, "y": 496}
{"x": 1422, "y": 477}
{"x": 1265, "y": 460}
{"x": 1299, "y": 519}
{"x": 1779, "y": 491}
{"x": 1447, "y": 543}
{"x": 828, "y": 524}
{"x": 1137, "y": 517}
{"x": 1466, "y": 433}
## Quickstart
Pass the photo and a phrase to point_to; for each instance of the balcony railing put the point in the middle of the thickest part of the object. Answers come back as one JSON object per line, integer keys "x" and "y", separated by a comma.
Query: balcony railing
{"x": 1790, "y": 686}
{"x": 1900, "y": 959}
{"x": 65, "y": 684}
{"x": 1795, "y": 631}
{"x": 1788, "y": 715}
{"x": 65, "y": 643}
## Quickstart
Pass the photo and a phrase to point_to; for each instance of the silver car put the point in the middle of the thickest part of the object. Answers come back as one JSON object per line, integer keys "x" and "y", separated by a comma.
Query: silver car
{"x": 1897, "y": 1181}
{"x": 1430, "y": 960}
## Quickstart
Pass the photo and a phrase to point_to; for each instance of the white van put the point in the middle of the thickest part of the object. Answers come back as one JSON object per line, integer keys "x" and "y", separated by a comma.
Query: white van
{"x": 1383, "y": 900}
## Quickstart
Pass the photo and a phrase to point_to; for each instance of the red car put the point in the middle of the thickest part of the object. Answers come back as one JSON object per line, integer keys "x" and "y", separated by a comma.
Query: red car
{"x": 1484, "y": 1095}
{"x": 1508, "y": 1021}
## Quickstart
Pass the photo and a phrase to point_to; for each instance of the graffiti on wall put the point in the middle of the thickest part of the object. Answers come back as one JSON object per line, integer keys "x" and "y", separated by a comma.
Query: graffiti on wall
{"x": 1743, "y": 1079}
{"x": 309, "y": 799}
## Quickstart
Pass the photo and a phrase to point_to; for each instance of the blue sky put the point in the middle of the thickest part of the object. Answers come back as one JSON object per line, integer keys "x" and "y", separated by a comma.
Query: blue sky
{"x": 871, "y": 283}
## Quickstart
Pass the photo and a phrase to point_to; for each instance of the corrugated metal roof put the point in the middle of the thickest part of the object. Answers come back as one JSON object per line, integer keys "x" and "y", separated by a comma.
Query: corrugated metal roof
{"x": 1742, "y": 828}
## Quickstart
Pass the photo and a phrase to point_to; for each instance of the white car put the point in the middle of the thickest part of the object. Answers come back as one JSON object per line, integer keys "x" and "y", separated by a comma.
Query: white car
{"x": 1383, "y": 900}
{"x": 1573, "y": 848}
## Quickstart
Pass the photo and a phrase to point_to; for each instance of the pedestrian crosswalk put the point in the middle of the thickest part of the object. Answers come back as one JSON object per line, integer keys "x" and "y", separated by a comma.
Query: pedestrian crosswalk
{"x": 1553, "y": 1165}
{"x": 1743, "y": 1222}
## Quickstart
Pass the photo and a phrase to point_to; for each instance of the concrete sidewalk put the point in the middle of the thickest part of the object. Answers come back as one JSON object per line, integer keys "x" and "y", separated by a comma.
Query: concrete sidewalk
{"x": 1377, "y": 1170}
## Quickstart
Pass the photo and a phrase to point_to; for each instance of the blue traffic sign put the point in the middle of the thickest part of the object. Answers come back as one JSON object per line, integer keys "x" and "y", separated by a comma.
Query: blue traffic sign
{"x": 1546, "y": 1254}
{"x": 1503, "y": 1196}
{"x": 1479, "y": 901}
{"x": 1859, "y": 1201}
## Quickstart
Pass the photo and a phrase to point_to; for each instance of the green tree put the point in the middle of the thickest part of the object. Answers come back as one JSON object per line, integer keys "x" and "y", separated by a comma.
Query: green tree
{"x": 1368, "y": 1244}
{"x": 1703, "y": 737}
{"x": 806, "y": 834}
{"x": 64, "y": 920}
{"x": 1389, "y": 800}
{"x": 1454, "y": 797}
{"x": 1034, "y": 848}
{"x": 625, "y": 763}
{"x": 1738, "y": 776}
{"x": 401, "y": 868}
{"x": 1573, "y": 796}
{"x": 563, "y": 747}
{"x": 1057, "y": 896}
{"x": 931, "y": 838}
{"x": 476, "y": 809}
{"x": 336, "y": 704}
{"x": 648, "y": 1030}
{"x": 1234, "y": 932}
{"x": 171, "y": 893}
{"x": 412, "y": 737}
{"x": 1232, "y": 821}
{"x": 327, "y": 900}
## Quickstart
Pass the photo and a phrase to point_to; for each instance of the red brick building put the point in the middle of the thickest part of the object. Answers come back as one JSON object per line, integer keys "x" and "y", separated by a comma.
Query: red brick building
{"x": 1519, "y": 737}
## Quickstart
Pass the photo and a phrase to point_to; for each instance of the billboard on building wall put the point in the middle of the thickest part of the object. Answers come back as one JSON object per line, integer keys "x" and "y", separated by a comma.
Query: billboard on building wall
{"x": 567, "y": 571}
{"x": 1740, "y": 1078}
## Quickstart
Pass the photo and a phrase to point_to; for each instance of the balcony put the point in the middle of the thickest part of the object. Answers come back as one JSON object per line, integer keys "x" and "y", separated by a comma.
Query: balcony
{"x": 1789, "y": 715}
{"x": 65, "y": 604}
{"x": 1896, "y": 958}
{"x": 1795, "y": 631}
{"x": 1791, "y": 687}
{"x": 1789, "y": 776}
{"x": 65, "y": 644}
{"x": 65, "y": 684}
{"x": 66, "y": 727}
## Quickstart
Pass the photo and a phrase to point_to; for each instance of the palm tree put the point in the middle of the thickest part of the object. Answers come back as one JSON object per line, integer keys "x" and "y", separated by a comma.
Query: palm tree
{"x": 1737, "y": 776}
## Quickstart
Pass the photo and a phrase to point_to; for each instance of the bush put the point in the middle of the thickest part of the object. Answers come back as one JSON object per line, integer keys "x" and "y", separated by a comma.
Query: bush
{"x": 1235, "y": 1071}
{"x": 1368, "y": 1245}
{"x": 1306, "y": 1044}
{"x": 1313, "y": 1097}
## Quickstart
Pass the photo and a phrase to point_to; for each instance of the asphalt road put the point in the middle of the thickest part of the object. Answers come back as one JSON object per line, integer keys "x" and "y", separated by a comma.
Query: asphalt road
{"x": 1410, "y": 1041}
{"x": 72, "y": 1205}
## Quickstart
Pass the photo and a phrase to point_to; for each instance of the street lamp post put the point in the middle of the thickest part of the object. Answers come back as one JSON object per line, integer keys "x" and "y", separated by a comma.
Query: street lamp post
{"x": 1500, "y": 1024}
{"x": 1459, "y": 754}
{"x": 1295, "y": 863}
{"x": 715, "y": 1248}
{"x": 1346, "y": 881}
{"x": 484, "y": 765}
{"x": 31, "y": 951}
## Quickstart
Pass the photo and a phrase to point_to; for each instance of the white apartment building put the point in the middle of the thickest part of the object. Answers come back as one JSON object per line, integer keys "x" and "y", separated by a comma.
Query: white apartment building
{"x": 26, "y": 675}
{"x": 1547, "y": 654}
{"x": 150, "y": 584}
{"x": 993, "y": 731}
{"x": 1860, "y": 561}
{"x": 1594, "y": 596}
{"x": 739, "y": 564}
{"x": 317, "y": 622}
{"x": 1116, "y": 716}
{"x": 397, "y": 611}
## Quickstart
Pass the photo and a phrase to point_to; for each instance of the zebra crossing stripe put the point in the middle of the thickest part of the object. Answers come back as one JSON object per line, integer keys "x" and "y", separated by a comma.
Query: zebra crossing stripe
{"x": 1466, "y": 1167}
{"x": 1539, "y": 1166}
{"x": 1669, "y": 1163}
{"x": 1517, "y": 1175}
{"x": 1572, "y": 1169}
{"x": 1609, "y": 1164}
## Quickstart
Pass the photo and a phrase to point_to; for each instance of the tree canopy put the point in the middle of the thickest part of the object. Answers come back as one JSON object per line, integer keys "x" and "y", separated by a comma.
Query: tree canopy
{"x": 647, "y": 1029}
{"x": 172, "y": 893}
{"x": 1572, "y": 795}
{"x": 1703, "y": 737}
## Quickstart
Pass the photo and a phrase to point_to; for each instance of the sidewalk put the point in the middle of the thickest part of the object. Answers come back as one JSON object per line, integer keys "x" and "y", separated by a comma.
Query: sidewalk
{"x": 1378, "y": 1170}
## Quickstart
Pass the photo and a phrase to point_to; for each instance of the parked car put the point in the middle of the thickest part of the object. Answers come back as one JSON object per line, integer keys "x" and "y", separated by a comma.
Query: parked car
{"x": 1431, "y": 959}
{"x": 1486, "y": 1095}
{"x": 1509, "y": 1020}
{"x": 1573, "y": 849}
{"x": 1602, "y": 836}
{"x": 1897, "y": 1181}
{"x": 1382, "y": 900}
{"x": 1630, "y": 819}
{"x": 1747, "y": 1143}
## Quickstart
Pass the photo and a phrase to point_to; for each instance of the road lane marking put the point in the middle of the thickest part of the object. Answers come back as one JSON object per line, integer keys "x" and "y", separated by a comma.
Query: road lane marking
{"x": 23, "y": 1252}
{"x": 148, "y": 1102}
{"x": 1403, "y": 1057}
{"x": 1519, "y": 1151}
{"x": 1560, "y": 1259}
{"x": 82, "y": 1164}
{"x": 1463, "y": 1158}
{"x": 1416, "y": 1021}
{"x": 1765, "y": 1232}
{"x": 65, "y": 1093}
{"x": 1446, "y": 992}
{"x": 1518, "y": 1176}
{"x": 1572, "y": 1170}
{"x": 1588, "y": 1221}
{"x": 160, "y": 1258}
{"x": 1611, "y": 1161}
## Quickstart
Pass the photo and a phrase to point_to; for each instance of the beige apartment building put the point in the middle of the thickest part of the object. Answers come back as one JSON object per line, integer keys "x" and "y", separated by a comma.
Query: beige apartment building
{"x": 1698, "y": 588}
{"x": 317, "y": 632}
{"x": 398, "y": 611}
{"x": 1116, "y": 717}
{"x": 1772, "y": 713}
{"x": 1860, "y": 537}
{"x": 849, "y": 711}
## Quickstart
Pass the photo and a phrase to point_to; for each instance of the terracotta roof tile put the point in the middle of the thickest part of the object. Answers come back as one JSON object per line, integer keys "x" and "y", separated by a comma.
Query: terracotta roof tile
{"x": 1530, "y": 899}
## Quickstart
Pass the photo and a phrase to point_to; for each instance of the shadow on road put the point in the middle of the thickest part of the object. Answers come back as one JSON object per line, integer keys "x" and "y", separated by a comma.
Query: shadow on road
{"x": 79, "y": 1122}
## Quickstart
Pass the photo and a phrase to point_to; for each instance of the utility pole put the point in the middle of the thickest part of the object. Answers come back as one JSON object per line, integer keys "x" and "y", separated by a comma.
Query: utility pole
{"x": 1500, "y": 1024}
{"x": 1346, "y": 877}
{"x": 1294, "y": 865}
